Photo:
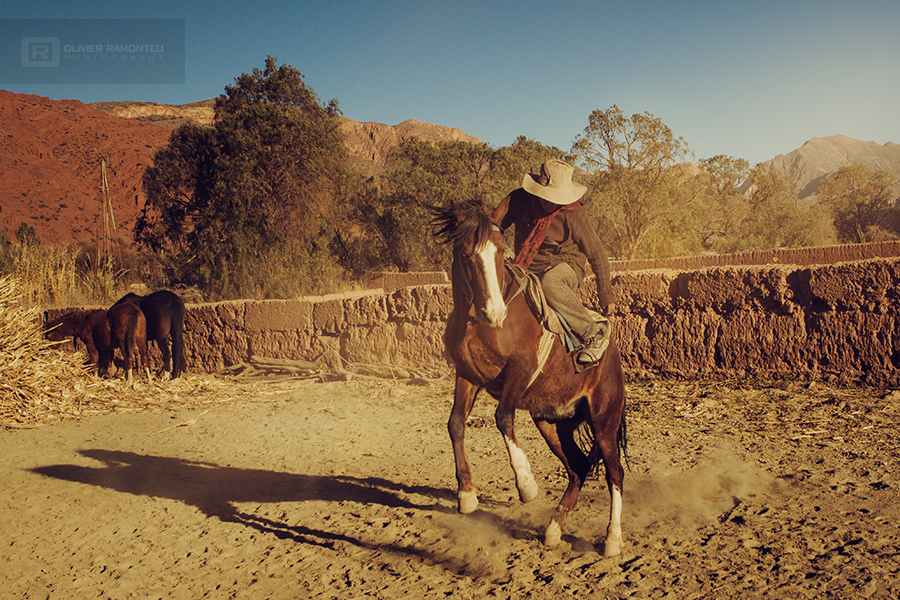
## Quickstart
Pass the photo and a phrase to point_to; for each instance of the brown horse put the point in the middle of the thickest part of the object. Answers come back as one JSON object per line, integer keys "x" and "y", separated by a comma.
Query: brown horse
{"x": 493, "y": 339}
{"x": 164, "y": 311}
{"x": 102, "y": 332}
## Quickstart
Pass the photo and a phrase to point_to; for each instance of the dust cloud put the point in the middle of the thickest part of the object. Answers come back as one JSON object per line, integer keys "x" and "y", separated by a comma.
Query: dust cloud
{"x": 697, "y": 496}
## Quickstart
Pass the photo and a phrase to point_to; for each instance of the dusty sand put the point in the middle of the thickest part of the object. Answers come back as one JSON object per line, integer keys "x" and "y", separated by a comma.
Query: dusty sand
{"x": 303, "y": 489}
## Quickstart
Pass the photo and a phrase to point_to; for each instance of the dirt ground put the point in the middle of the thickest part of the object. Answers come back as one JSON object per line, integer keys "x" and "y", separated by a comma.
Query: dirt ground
{"x": 279, "y": 488}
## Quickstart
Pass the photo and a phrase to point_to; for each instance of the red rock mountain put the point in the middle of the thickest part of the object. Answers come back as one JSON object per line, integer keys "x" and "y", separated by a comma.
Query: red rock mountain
{"x": 51, "y": 152}
{"x": 50, "y": 157}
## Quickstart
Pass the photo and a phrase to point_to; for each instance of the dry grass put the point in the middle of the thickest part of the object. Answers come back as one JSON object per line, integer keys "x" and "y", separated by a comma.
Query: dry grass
{"x": 58, "y": 276}
{"x": 45, "y": 274}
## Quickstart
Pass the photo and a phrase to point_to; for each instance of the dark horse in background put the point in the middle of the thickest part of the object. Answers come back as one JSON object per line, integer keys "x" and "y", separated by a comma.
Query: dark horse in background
{"x": 493, "y": 339}
{"x": 102, "y": 332}
{"x": 164, "y": 311}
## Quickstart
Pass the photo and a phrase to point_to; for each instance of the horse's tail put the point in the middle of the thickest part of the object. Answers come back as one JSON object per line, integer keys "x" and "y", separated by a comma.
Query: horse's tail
{"x": 622, "y": 436}
{"x": 176, "y": 330}
{"x": 587, "y": 442}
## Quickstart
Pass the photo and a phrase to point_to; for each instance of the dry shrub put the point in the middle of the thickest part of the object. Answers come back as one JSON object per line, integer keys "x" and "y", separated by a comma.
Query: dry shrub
{"x": 38, "y": 383}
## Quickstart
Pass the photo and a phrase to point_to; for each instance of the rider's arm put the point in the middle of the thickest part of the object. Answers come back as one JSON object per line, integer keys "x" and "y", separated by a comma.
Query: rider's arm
{"x": 585, "y": 236}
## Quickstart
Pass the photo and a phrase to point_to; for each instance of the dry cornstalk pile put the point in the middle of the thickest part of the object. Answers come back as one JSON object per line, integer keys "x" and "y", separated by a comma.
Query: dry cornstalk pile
{"x": 41, "y": 384}
{"x": 38, "y": 383}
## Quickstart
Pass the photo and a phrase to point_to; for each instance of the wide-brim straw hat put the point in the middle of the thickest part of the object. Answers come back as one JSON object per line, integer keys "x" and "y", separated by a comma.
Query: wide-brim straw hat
{"x": 554, "y": 183}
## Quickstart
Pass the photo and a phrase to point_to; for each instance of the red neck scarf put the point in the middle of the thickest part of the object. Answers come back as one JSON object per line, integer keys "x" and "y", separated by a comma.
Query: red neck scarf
{"x": 540, "y": 222}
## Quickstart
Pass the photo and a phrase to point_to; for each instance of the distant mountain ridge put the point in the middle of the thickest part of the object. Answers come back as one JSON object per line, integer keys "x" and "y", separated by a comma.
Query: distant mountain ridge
{"x": 170, "y": 116}
{"x": 368, "y": 143}
{"x": 820, "y": 158}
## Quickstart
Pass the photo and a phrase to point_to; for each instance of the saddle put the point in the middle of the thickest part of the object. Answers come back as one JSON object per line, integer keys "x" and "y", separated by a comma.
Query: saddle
{"x": 554, "y": 324}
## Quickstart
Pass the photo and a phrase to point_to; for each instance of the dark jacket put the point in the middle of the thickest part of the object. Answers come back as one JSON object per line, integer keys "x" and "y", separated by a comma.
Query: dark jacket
{"x": 571, "y": 238}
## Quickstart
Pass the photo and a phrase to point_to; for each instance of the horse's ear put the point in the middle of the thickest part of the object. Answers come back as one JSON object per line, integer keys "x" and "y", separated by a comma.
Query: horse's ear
{"x": 499, "y": 213}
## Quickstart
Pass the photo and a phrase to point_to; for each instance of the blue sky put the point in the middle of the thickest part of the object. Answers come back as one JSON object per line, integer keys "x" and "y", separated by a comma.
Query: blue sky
{"x": 749, "y": 79}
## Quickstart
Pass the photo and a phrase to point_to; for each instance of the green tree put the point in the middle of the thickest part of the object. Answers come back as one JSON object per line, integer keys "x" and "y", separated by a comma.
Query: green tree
{"x": 273, "y": 86}
{"x": 719, "y": 223}
{"x": 509, "y": 164}
{"x": 249, "y": 206}
{"x": 862, "y": 203}
{"x": 775, "y": 218}
{"x": 396, "y": 221}
{"x": 631, "y": 159}
{"x": 26, "y": 235}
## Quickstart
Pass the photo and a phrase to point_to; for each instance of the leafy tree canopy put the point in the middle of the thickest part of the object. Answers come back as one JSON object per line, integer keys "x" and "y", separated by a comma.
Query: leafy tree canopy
{"x": 244, "y": 208}
{"x": 636, "y": 191}
{"x": 275, "y": 85}
{"x": 863, "y": 203}
{"x": 397, "y": 220}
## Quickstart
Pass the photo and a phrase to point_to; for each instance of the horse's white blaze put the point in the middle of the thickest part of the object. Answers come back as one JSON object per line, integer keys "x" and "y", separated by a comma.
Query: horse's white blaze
{"x": 527, "y": 486}
{"x": 495, "y": 307}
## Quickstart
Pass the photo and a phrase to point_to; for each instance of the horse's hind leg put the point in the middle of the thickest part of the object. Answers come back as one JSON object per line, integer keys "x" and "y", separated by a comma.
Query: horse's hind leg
{"x": 145, "y": 358}
{"x": 614, "y": 476}
{"x": 609, "y": 431}
{"x": 463, "y": 400}
{"x": 163, "y": 344}
{"x": 128, "y": 355}
{"x": 103, "y": 359}
{"x": 560, "y": 439}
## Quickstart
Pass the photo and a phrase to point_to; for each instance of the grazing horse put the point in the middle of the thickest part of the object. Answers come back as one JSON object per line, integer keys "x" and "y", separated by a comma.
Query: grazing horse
{"x": 102, "y": 332}
{"x": 164, "y": 311}
{"x": 493, "y": 338}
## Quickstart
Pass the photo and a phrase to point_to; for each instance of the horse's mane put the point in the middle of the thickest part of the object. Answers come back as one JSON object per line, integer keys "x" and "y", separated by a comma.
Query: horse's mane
{"x": 74, "y": 317}
{"x": 460, "y": 223}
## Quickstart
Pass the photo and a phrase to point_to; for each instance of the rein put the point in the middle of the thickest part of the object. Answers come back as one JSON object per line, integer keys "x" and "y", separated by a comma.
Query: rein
{"x": 519, "y": 278}
{"x": 513, "y": 269}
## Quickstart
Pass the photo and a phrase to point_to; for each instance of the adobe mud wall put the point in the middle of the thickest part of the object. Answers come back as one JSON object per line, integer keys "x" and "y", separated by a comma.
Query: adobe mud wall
{"x": 837, "y": 323}
{"x": 829, "y": 322}
{"x": 822, "y": 255}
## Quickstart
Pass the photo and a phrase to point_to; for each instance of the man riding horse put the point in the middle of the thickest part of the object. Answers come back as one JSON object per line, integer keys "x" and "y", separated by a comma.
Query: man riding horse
{"x": 555, "y": 240}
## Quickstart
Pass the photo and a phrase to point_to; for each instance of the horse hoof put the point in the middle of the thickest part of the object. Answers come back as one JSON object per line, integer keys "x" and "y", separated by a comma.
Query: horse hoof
{"x": 612, "y": 548}
{"x": 529, "y": 491}
{"x": 467, "y": 502}
{"x": 553, "y": 534}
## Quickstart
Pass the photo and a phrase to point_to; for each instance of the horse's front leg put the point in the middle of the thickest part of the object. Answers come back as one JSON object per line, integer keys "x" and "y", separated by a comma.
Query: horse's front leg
{"x": 612, "y": 545}
{"x": 505, "y": 418}
{"x": 463, "y": 400}
{"x": 94, "y": 356}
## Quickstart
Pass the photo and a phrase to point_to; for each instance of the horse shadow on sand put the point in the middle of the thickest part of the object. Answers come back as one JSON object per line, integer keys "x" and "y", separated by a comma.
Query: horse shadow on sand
{"x": 216, "y": 489}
